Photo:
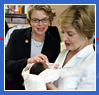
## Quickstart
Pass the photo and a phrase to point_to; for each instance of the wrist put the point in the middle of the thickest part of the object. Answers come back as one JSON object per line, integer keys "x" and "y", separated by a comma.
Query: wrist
{"x": 51, "y": 86}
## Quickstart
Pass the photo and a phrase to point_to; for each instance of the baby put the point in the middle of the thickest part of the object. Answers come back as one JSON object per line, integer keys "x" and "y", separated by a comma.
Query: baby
{"x": 36, "y": 75}
{"x": 37, "y": 68}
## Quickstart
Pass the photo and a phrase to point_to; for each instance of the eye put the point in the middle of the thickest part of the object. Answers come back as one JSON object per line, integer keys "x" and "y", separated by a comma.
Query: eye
{"x": 45, "y": 19}
{"x": 35, "y": 20}
{"x": 62, "y": 32}
{"x": 70, "y": 34}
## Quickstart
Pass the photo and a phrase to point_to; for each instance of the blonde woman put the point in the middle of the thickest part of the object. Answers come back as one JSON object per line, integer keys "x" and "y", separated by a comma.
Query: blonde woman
{"x": 77, "y": 23}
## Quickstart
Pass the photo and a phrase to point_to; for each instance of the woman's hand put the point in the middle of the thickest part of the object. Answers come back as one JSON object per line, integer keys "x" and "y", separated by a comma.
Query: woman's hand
{"x": 50, "y": 86}
{"x": 38, "y": 58}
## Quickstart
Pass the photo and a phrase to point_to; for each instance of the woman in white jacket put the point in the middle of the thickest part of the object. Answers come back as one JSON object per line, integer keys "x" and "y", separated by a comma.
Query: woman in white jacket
{"x": 77, "y": 23}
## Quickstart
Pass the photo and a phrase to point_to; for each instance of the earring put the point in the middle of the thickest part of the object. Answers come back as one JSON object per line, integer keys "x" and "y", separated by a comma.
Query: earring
{"x": 49, "y": 24}
{"x": 86, "y": 38}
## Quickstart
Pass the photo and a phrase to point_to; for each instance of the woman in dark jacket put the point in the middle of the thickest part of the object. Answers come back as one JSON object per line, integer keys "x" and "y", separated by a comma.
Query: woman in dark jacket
{"x": 27, "y": 44}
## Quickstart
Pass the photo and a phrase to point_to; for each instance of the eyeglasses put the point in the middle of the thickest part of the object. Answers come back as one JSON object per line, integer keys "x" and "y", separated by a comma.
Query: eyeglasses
{"x": 35, "y": 20}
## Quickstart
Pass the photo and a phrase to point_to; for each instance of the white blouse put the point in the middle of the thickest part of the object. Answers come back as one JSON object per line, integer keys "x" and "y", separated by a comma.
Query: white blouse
{"x": 79, "y": 72}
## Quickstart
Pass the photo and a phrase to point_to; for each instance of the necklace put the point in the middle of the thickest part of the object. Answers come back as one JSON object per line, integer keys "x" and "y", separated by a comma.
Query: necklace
{"x": 36, "y": 43}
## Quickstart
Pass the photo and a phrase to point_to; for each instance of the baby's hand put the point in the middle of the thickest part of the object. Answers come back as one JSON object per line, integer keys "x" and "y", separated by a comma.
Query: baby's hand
{"x": 57, "y": 66}
{"x": 26, "y": 68}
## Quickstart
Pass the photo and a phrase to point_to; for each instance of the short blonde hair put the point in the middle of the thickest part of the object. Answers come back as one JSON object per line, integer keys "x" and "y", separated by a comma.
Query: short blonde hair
{"x": 82, "y": 17}
{"x": 46, "y": 8}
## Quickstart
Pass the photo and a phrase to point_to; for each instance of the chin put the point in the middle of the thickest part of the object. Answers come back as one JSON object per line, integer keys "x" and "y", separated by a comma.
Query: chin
{"x": 69, "y": 48}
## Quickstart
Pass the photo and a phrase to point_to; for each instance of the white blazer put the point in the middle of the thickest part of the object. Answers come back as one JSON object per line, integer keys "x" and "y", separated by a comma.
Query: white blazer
{"x": 79, "y": 72}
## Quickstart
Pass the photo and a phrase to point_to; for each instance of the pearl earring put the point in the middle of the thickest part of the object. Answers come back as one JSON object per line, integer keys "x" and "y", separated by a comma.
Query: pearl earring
{"x": 86, "y": 38}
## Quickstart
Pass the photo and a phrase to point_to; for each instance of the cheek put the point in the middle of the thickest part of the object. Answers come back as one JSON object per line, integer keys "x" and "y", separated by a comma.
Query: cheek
{"x": 46, "y": 24}
{"x": 77, "y": 42}
{"x": 33, "y": 25}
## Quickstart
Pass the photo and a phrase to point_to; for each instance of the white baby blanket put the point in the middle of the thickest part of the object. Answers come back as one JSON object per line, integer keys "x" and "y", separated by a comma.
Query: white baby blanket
{"x": 38, "y": 82}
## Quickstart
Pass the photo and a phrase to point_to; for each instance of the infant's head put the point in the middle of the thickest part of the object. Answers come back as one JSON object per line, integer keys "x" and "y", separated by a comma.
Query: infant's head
{"x": 38, "y": 67}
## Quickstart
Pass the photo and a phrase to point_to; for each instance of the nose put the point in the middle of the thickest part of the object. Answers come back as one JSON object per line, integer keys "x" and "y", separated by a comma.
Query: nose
{"x": 65, "y": 37}
{"x": 40, "y": 23}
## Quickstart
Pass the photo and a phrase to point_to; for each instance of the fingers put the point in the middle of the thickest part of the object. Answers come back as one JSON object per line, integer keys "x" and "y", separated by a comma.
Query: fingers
{"x": 38, "y": 58}
{"x": 43, "y": 57}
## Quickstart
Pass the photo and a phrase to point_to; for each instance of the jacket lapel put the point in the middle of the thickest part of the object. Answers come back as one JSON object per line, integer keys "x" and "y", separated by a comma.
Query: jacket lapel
{"x": 27, "y": 42}
{"x": 46, "y": 45}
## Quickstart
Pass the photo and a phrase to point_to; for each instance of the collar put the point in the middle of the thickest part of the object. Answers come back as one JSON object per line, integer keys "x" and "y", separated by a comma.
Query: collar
{"x": 80, "y": 55}
{"x": 85, "y": 51}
